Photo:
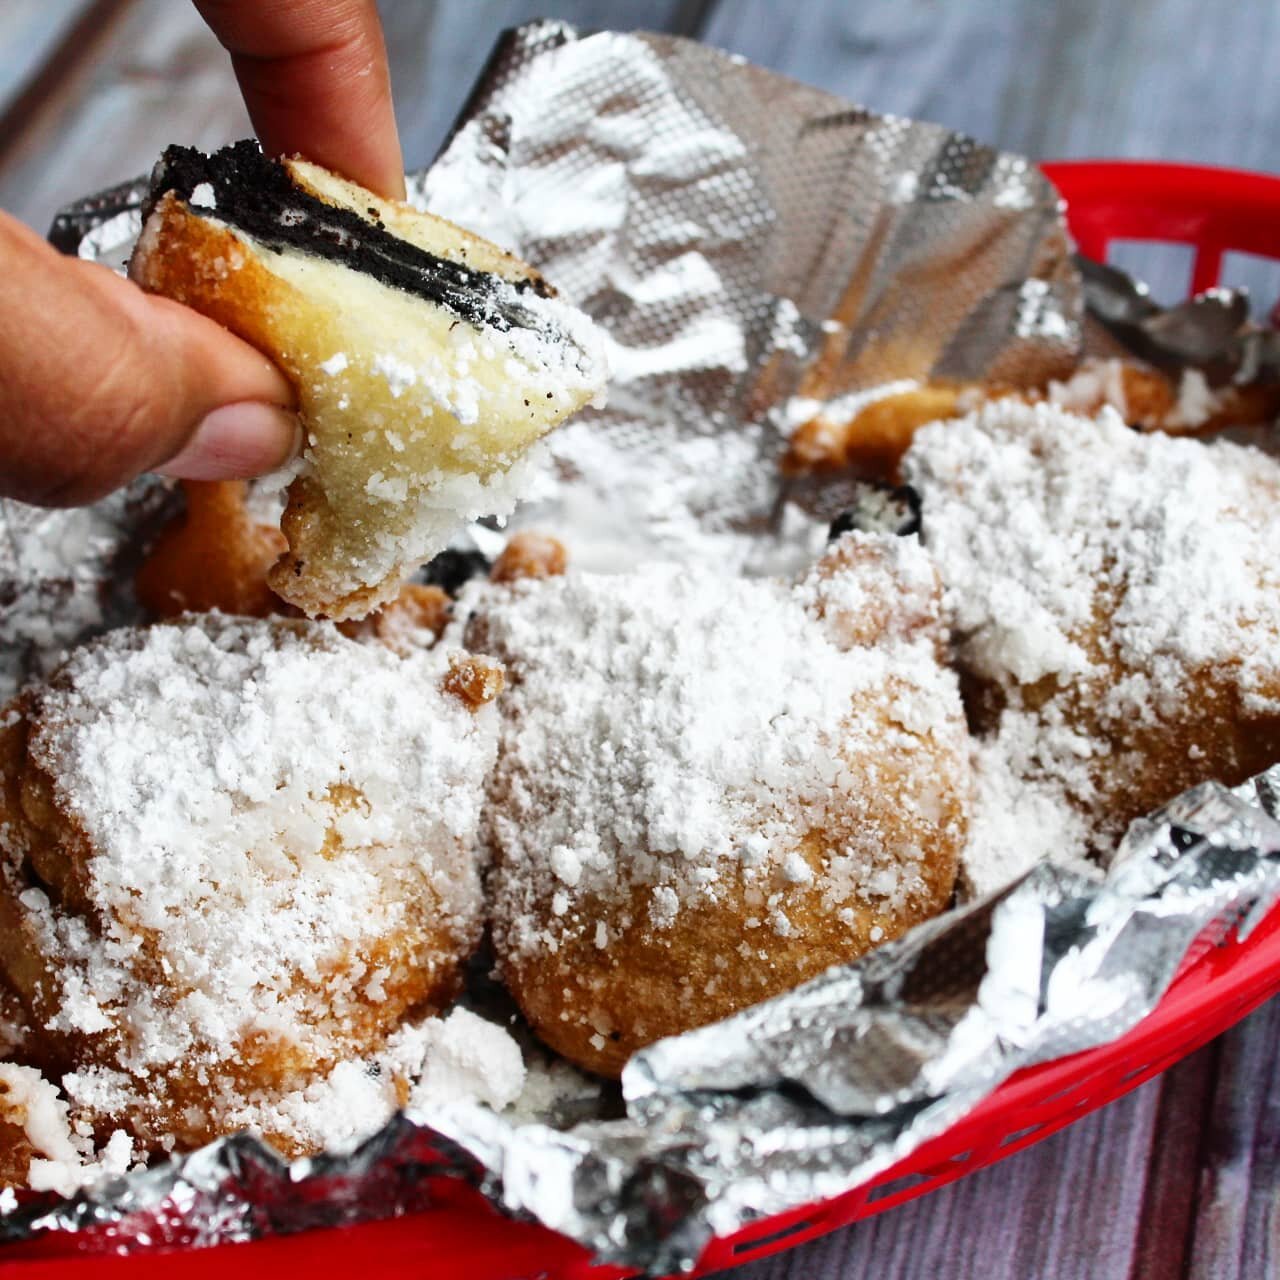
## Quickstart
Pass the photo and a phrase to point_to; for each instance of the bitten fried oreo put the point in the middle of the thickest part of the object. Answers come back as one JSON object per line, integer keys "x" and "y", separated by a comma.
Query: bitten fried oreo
{"x": 426, "y": 360}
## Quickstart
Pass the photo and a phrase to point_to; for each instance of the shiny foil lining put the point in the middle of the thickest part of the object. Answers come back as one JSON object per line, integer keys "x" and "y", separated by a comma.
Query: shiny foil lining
{"x": 744, "y": 239}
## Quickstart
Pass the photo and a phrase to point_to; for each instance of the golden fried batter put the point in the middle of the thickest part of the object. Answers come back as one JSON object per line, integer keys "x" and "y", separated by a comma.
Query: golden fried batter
{"x": 413, "y": 620}
{"x": 13, "y": 1018}
{"x": 215, "y": 555}
{"x": 473, "y": 680}
{"x": 1152, "y": 401}
{"x": 1144, "y": 751}
{"x": 873, "y": 437}
{"x": 530, "y": 555}
{"x": 599, "y": 1005}
{"x": 709, "y": 790}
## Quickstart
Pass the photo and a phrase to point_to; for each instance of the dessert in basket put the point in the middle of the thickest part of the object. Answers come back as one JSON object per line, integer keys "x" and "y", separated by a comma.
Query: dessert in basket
{"x": 662, "y": 794}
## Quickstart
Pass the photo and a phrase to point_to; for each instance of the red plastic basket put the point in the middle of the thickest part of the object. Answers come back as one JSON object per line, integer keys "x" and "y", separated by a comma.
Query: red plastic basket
{"x": 1214, "y": 210}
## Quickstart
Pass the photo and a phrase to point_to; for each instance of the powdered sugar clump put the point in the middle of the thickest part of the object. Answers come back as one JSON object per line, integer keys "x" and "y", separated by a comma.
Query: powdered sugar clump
{"x": 1018, "y": 818}
{"x": 427, "y": 1065}
{"x": 61, "y": 1159}
{"x": 667, "y": 725}
{"x": 1197, "y": 401}
{"x": 461, "y": 1058}
{"x": 1094, "y": 384}
{"x": 52, "y": 583}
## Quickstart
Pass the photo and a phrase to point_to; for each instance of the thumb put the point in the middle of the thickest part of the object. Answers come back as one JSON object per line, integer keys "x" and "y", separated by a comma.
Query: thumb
{"x": 100, "y": 382}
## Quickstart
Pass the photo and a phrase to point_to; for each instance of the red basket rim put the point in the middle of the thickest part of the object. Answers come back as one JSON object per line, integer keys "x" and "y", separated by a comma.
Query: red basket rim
{"x": 1217, "y": 210}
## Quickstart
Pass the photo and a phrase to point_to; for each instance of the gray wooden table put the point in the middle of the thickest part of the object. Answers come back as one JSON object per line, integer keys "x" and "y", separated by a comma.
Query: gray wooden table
{"x": 1182, "y": 1177}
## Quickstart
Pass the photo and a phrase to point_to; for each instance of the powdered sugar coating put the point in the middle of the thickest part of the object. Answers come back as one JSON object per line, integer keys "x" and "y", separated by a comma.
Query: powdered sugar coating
{"x": 685, "y": 722}
{"x": 1032, "y": 512}
{"x": 711, "y": 788}
{"x": 427, "y": 1064}
{"x": 1116, "y": 597}
{"x": 271, "y": 854}
{"x": 1019, "y": 817}
{"x": 41, "y": 1148}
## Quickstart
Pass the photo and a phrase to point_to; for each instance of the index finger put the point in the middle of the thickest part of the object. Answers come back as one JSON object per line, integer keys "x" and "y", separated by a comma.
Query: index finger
{"x": 315, "y": 80}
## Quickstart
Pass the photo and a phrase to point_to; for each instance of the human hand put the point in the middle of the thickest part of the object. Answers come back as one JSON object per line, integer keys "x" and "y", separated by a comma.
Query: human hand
{"x": 314, "y": 77}
{"x": 100, "y": 381}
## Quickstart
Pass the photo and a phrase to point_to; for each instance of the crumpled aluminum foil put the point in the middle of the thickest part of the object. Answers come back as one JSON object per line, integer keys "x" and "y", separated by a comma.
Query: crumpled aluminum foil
{"x": 742, "y": 238}
{"x": 1210, "y": 332}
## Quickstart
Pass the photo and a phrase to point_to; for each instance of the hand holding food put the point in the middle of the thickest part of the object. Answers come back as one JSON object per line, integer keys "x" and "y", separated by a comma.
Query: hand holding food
{"x": 426, "y": 361}
{"x": 99, "y": 382}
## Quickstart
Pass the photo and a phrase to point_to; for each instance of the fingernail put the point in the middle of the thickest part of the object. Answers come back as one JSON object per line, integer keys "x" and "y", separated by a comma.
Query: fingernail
{"x": 237, "y": 441}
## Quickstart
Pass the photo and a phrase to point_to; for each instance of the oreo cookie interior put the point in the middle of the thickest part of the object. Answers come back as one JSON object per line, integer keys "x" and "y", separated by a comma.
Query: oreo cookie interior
{"x": 452, "y": 569}
{"x": 880, "y": 508}
{"x": 259, "y": 196}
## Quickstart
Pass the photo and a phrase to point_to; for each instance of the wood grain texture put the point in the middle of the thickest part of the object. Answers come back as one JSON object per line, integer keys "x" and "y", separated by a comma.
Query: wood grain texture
{"x": 1036, "y": 1214}
{"x": 29, "y": 32}
{"x": 1177, "y": 1179}
{"x": 160, "y": 77}
{"x": 1236, "y": 1228}
{"x": 1168, "y": 79}
{"x": 1165, "y": 1228}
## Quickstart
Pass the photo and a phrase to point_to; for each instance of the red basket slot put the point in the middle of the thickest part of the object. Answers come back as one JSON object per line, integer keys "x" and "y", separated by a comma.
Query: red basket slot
{"x": 1215, "y": 210}
{"x": 1223, "y": 979}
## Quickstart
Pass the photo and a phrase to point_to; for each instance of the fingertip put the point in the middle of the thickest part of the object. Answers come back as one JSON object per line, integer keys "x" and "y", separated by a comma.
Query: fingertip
{"x": 394, "y": 185}
{"x": 316, "y": 81}
{"x": 237, "y": 442}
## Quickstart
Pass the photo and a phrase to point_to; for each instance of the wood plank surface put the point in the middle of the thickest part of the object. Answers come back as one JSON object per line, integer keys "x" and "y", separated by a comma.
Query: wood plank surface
{"x": 30, "y": 31}
{"x": 1161, "y": 79}
{"x": 158, "y": 77}
{"x": 1006, "y": 1220}
{"x": 1164, "y": 1231}
{"x": 1236, "y": 1227}
{"x": 1180, "y": 1178}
